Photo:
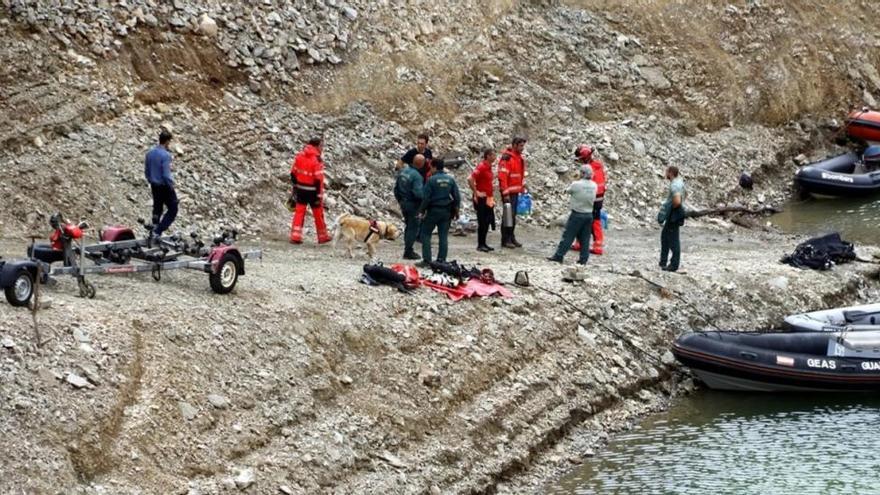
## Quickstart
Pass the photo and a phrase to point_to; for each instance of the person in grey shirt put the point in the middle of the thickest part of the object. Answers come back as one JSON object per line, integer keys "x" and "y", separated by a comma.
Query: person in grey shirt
{"x": 671, "y": 217}
{"x": 582, "y": 195}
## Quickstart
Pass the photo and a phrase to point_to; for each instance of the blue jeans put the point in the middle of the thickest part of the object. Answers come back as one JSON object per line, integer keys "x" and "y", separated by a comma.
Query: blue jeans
{"x": 577, "y": 227}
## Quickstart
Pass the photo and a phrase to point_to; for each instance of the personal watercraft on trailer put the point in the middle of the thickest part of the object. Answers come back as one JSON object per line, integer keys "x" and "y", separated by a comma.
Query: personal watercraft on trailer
{"x": 835, "y": 320}
{"x": 119, "y": 251}
{"x": 792, "y": 362}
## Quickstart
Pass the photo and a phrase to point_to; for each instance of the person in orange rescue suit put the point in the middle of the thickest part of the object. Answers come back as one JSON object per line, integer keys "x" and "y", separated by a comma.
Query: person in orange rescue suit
{"x": 584, "y": 155}
{"x": 511, "y": 182}
{"x": 307, "y": 175}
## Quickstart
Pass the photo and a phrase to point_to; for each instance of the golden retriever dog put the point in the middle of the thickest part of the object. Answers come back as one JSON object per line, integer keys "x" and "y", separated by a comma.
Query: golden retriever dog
{"x": 352, "y": 229}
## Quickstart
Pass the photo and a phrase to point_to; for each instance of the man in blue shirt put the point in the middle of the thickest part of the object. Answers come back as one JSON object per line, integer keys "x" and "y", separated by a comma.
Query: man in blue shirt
{"x": 157, "y": 170}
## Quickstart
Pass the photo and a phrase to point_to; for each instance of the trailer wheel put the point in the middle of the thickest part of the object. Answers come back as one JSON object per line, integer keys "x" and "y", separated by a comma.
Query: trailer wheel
{"x": 226, "y": 276}
{"x": 21, "y": 290}
{"x": 86, "y": 289}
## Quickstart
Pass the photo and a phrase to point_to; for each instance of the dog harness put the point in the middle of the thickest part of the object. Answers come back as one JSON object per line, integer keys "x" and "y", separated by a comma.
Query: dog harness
{"x": 374, "y": 229}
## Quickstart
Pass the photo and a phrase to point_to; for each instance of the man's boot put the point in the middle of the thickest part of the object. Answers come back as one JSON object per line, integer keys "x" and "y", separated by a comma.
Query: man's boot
{"x": 505, "y": 238}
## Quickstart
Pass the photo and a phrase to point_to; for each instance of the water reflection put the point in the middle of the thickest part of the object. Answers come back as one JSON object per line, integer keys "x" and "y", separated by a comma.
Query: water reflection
{"x": 723, "y": 443}
{"x": 856, "y": 219}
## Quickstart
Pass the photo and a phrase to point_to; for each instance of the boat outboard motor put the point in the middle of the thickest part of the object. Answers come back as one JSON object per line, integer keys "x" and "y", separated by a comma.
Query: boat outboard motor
{"x": 871, "y": 157}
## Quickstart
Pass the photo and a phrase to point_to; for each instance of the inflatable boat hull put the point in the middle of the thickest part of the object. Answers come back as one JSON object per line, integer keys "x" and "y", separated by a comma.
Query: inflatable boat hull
{"x": 837, "y": 176}
{"x": 777, "y": 362}
{"x": 835, "y": 320}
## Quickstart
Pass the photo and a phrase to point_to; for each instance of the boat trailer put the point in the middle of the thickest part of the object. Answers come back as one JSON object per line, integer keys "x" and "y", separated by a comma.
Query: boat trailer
{"x": 119, "y": 251}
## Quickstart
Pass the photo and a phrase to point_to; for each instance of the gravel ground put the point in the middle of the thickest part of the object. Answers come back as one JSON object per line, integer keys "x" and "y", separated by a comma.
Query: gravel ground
{"x": 307, "y": 381}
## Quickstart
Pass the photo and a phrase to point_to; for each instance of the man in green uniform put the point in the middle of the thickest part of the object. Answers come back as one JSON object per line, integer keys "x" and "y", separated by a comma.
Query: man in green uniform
{"x": 439, "y": 206}
{"x": 408, "y": 190}
{"x": 671, "y": 216}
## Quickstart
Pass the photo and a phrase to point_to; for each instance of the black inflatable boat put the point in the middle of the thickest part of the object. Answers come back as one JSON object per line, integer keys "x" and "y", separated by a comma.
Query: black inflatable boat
{"x": 842, "y": 175}
{"x": 791, "y": 362}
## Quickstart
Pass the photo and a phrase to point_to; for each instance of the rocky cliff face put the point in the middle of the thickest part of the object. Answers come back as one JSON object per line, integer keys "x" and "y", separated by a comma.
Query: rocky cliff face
{"x": 713, "y": 89}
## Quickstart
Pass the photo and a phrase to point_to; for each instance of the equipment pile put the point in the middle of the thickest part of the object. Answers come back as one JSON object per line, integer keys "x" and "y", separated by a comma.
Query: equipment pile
{"x": 455, "y": 280}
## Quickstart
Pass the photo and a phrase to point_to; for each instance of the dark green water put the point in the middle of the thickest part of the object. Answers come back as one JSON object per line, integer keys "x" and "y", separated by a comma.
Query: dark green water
{"x": 858, "y": 220}
{"x": 722, "y": 443}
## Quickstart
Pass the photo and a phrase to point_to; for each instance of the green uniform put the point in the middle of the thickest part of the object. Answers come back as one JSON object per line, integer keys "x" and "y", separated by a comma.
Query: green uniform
{"x": 441, "y": 199}
{"x": 409, "y": 192}
{"x": 672, "y": 219}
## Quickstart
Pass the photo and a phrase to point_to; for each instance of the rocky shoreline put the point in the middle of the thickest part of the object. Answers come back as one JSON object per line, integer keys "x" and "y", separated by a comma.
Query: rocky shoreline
{"x": 305, "y": 380}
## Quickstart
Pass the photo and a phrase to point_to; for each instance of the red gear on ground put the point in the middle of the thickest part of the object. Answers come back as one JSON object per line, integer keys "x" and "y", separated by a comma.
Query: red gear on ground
{"x": 511, "y": 172}
{"x": 308, "y": 173}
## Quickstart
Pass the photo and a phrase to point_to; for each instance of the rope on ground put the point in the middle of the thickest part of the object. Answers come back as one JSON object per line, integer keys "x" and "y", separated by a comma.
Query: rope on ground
{"x": 612, "y": 331}
{"x": 638, "y": 274}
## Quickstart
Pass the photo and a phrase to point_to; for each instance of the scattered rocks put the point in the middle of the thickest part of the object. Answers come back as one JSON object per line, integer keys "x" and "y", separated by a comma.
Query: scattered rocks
{"x": 187, "y": 410}
{"x": 428, "y": 376}
{"x": 245, "y": 478}
{"x": 575, "y": 274}
{"x": 218, "y": 401}
{"x": 76, "y": 380}
{"x": 779, "y": 283}
{"x": 392, "y": 460}
{"x": 207, "y": 26}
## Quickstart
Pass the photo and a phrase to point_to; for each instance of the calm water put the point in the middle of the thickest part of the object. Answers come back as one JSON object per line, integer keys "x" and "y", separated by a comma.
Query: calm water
{"x": 858, "y": 220}
{"x": 722, "y": 443}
